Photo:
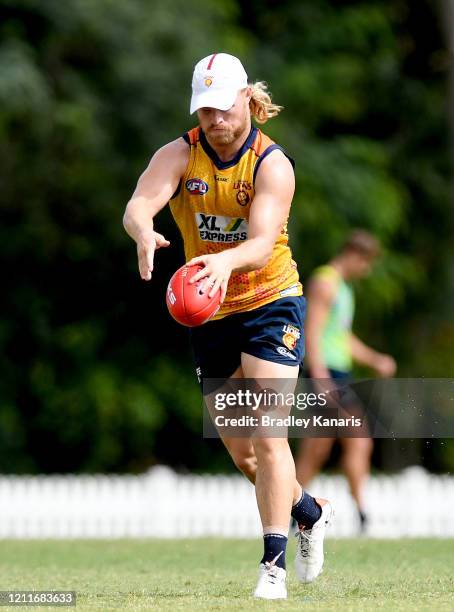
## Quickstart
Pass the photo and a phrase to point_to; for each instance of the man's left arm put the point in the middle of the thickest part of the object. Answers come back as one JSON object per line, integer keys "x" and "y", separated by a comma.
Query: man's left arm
{"x": 383, "y": 364}
{"x": 274, "y": 189}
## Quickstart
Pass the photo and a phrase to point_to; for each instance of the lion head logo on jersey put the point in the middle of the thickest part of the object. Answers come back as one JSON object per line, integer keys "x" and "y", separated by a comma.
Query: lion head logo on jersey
{"x": 243, "y": 198}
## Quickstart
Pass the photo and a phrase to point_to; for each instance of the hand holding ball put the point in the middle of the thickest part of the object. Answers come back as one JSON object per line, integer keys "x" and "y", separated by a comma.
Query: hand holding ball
{"x": 185, "y": 301}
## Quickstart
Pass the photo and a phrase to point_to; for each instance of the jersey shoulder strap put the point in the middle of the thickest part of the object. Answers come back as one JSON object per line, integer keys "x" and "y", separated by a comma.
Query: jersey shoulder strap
{"x": 261, "y": 143}
{"x": 263, "y": 146}
{"x": 192, "y": 137}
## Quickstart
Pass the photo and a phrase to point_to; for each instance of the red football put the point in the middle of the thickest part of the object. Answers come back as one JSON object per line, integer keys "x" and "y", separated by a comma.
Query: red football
{"x": 186, "y": 303}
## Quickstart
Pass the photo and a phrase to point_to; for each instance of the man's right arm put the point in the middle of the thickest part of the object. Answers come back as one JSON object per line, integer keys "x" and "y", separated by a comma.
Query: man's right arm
{"x": 154, "y": 189}
{"x": 320, "y": 297}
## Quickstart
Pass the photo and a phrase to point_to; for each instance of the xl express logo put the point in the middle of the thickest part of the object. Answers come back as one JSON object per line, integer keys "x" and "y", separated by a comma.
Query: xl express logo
{"x": 217, "y": 228}
{"x": 196, "y": 186}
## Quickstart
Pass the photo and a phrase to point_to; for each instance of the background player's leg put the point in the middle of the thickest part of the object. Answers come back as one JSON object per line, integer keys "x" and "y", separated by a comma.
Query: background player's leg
{"x": 312, "y": 455}
{"x": 355, "y": 461}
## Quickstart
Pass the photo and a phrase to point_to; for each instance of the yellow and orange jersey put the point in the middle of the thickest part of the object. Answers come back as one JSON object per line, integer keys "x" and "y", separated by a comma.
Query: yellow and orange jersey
{"x": 211, "y": 208}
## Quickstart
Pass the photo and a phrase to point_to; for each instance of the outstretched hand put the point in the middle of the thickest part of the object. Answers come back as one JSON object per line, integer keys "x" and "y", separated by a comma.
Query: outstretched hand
{"x": 146, "y": 248}
{"x": 385, "y": 365}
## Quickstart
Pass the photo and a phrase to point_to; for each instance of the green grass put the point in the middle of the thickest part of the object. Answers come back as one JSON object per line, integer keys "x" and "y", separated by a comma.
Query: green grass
{"x": 214, "y": 574}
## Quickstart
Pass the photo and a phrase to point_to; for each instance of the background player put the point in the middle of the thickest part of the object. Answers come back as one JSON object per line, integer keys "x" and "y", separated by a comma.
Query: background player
{"x": 331, "y": 349}
{"x": 231, "y": 189}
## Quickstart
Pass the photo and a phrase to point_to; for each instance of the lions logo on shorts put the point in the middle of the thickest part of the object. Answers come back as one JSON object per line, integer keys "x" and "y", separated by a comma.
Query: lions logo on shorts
{"x": 290, "y": 337}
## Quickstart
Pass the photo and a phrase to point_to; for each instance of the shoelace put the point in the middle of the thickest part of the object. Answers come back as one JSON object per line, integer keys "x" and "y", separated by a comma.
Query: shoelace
{"x": 271, "y": 568}
{"x": 305, "y": 541}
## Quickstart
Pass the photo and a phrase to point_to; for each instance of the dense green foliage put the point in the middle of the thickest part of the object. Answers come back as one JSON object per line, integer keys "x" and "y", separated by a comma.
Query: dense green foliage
{"x": 95, "y": 375}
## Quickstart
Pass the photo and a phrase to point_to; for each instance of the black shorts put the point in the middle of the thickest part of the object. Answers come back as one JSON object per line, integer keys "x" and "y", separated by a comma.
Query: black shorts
{"x": 274, "y": 332}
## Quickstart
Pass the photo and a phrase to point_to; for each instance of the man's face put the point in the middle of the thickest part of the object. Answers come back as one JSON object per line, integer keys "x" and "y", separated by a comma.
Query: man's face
{"x": 224, "y": 127}
{"x": 359, "y": 265}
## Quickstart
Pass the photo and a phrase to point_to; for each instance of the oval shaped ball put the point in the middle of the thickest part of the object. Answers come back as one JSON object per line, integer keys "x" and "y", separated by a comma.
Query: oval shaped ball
{"x": 187, "y": 305}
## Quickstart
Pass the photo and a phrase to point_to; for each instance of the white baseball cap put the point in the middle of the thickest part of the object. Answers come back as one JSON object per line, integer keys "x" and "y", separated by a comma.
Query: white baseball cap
{"x": 216, "y": 82}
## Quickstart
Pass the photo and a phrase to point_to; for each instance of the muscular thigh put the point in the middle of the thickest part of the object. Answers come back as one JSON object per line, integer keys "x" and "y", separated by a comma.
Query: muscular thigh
{"x": 254, "y": 367}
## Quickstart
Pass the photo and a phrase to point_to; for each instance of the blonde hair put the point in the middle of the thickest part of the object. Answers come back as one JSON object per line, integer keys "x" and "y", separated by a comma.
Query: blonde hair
{"x": 260, "y": 105}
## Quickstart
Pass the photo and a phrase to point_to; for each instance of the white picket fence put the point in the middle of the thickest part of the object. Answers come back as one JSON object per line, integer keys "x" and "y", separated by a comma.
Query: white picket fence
{"x": 164, "y": 504}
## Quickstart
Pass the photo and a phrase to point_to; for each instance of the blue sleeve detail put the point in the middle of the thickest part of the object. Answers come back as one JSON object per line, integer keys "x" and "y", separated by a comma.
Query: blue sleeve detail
{"x": 266, "y": 152}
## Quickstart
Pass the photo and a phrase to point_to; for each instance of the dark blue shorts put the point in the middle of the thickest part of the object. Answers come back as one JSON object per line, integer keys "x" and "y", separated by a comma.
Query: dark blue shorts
{"x": 340, "y": 375}
{"x": 274, "y": 332}
{"x": 335, "y": 374}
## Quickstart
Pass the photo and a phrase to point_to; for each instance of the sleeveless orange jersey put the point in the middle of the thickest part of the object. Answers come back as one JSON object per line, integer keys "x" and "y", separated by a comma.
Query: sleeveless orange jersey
{"x": 211, "y": 208}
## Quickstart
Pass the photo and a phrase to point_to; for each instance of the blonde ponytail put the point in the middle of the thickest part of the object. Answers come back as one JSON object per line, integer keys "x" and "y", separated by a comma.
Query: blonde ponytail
{"x": 261, "y": 106}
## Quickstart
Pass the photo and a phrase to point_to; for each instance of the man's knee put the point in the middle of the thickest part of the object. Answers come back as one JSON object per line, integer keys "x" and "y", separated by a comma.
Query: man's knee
{"x": 268, "y": 448}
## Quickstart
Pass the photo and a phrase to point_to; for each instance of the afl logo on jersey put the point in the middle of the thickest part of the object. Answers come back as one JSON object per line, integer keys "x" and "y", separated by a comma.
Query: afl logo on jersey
{"x": 196, "y": 186}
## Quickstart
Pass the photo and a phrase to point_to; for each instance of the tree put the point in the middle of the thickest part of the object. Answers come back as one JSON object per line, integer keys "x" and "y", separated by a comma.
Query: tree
{"x": 92, "y": 377}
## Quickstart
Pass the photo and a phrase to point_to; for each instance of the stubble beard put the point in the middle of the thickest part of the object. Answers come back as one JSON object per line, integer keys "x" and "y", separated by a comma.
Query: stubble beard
{"x": 228, "y": 135}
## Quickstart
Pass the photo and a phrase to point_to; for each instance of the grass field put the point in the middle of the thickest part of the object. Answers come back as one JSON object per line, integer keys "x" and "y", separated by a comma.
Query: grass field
{"x": 214, "y": 574}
